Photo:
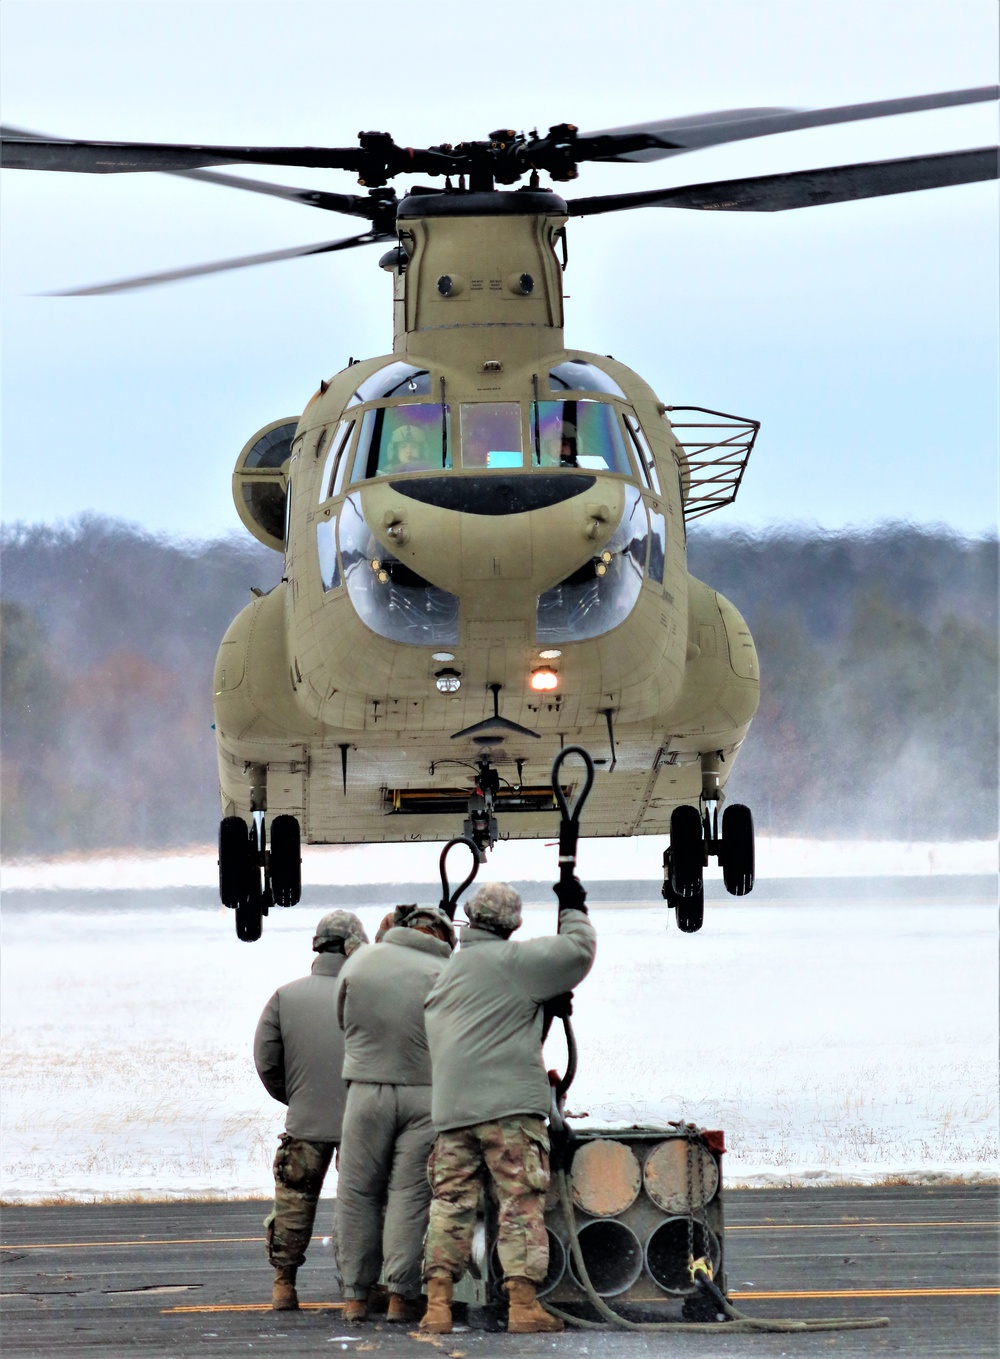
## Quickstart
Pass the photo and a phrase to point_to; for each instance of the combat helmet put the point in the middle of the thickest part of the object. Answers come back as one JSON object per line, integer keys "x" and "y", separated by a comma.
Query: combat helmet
{"x": 342, "y": 925}
{"x": 495, "y": 906}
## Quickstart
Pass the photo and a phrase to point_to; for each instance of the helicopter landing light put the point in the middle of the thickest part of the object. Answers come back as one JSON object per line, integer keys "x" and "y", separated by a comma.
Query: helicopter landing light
{"x": 544, "y": 680}
{"x": 442, "y": 656}
{"x": 448, "y": 681}
{"x": 552, "y": 654}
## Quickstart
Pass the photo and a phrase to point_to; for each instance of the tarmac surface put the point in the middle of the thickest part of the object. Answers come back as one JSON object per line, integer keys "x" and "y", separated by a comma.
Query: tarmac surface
{"x": 190, "y": 1279}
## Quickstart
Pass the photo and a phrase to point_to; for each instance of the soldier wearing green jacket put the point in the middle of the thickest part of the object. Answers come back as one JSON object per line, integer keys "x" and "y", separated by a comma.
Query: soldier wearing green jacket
{"x": 491, "y": 1094}
{"x": 382, "y": 1193}
{"x": 298, "y": 1051}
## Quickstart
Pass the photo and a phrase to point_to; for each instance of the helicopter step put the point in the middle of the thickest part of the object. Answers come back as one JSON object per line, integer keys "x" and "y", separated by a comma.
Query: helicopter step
{"x": 694, "y": 838}
{"x": 253, "y": 877}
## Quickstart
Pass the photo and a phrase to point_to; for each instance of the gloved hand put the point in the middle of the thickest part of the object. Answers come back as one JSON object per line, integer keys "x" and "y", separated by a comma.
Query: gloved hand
{"x": 559, "y": 1007}
{"x": 572, "y": 895}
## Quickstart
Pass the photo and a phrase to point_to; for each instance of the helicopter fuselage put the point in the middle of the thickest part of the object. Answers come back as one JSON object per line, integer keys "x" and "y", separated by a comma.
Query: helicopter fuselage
{"x": 485, "y": 559}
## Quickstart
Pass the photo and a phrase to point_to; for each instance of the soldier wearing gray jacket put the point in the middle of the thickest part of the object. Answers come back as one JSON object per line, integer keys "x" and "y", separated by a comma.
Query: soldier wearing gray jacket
{"x": 387, "y": 1121}
{"x": 299, "y": 1052}
{"x": 491, "y": 1095}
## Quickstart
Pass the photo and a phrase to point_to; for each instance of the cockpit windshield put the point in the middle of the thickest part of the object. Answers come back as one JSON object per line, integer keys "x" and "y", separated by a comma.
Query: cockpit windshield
{"x": 579, "y": 434}
{"x": 396, "y": 439}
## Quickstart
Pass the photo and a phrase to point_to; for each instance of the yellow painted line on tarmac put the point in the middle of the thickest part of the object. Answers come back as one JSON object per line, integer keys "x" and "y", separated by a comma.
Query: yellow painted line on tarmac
{"x": 845, "y": 1226}
{"x": 172, "y": 1241}
{"x": 869, "y": 1293}
{"x": 249, "y": 1307}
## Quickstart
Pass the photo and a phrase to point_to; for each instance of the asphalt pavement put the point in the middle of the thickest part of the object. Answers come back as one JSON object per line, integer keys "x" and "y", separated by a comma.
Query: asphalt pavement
{"x": 191, "y": 1279}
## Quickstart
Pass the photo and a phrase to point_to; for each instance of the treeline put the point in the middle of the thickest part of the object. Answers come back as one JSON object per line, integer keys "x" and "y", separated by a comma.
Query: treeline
{"x": 878, "y": 657}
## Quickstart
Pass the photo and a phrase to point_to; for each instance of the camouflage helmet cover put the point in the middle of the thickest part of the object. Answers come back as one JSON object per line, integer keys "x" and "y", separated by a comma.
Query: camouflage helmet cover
{"x": 343, "y": 925}
{"x": 495, "y": 904}
{"x": 434, "y": 917}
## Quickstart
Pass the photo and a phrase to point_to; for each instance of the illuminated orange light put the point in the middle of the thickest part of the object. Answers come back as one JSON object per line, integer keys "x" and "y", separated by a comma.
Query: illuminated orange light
{"x": 543, "y": 681}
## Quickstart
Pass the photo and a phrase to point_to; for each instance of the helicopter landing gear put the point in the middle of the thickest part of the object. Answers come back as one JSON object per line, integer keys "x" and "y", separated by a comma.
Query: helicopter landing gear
{"x": 253, "y": 878}
{"x": 690, "y": 910}
{"x": 737, "y": 850}
{"x": 284, "y": 862}
{"x": 480, "y": 825}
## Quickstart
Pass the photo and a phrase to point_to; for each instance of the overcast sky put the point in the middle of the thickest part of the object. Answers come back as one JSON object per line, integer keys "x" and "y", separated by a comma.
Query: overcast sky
{"x": 863, "y": 336}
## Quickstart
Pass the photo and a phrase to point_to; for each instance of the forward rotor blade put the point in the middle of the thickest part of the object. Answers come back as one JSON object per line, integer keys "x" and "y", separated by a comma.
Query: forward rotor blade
{"x": 809, "y": 188}
{"x": 676, "y": 135}
{"x": 20, "y": 151}
{"x": 245, "y": 261}
{"x": 351, "y": 203}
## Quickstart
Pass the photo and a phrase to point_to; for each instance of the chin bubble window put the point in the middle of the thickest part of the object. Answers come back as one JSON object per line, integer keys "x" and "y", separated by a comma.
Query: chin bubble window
{"x": 398, "y": 439}
{"x": 577, "y": 375}
{"x": 579, "y": 434}
{"x": 491, "y": 435}
{"x": 396, "y": 379}
{"x": 603, "y": 592}
{"x": 390, "y": 598}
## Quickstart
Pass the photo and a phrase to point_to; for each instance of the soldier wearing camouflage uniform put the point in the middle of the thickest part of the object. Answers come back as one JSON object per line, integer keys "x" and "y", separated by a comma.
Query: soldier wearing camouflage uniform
{"x": 491, "y": 1095}
{"x": 299, "y": 1053}
{"x": 382, "y": 1192}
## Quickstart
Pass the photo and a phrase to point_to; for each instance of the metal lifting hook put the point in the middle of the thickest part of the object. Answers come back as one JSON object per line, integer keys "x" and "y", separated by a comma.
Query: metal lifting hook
{"x": 449, "y": 902}
{"x": 569, "y": 826}
{"x": 562, "y": 1006}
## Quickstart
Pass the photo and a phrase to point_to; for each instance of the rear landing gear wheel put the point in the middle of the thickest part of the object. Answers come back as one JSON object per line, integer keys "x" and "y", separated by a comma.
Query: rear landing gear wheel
{"x": 737, "y": 850}
{"x": 285, "y": 861}
{"x": 235, "y": 865}
{"x": 691, "y": 912}
{"x": 687, "y": 852}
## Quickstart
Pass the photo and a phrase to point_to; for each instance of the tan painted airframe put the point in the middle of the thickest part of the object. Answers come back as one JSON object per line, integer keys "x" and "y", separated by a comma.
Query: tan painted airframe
{"x": 305, "y": 688}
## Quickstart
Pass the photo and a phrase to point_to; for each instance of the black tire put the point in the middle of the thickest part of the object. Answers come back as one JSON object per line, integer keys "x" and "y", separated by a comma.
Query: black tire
{"x": 250, "y": 913}
{"x": 286, "y": 861}
{"x": 234, "y": 861}
{"x": 691, "y": 912}
{"x": 737, "y": 850}
{"x": 687, "y": 851}
{"x": 666, "y": 891}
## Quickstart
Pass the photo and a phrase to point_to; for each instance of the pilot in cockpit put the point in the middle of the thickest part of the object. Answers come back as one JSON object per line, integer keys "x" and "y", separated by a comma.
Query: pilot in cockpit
{"x": 408, "y": 450}
{"x": 567, "y": 447}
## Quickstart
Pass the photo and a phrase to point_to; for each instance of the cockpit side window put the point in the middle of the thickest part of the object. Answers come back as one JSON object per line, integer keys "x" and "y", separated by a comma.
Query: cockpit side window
{"x": 579, "y": 434}
{"x": 398, "y": 439}
{"x": 491, "y": 434}
{"x": 644, "y": 453}
{"x": 338, "y": 445}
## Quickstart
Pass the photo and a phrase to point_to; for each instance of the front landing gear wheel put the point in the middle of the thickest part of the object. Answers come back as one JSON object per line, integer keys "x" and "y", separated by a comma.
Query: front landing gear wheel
{"x": 250, "y": 913}
{"x": 235, "y": 864}
{"x": 737, "y": 849}
{"x": 285, "y": 861}
{"x": 691, "y": 912}
{"x": 687, "y": 852}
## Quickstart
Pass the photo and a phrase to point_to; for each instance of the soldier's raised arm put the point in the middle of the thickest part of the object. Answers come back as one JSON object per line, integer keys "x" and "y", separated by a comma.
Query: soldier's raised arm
{"x": 547, "y": 967}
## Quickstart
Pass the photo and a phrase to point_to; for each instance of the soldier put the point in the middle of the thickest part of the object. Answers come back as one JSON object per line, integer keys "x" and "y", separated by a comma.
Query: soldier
{"x": 299, "y": 1052}
{"x": 388, "y": 1132}
{"x": 491, "y": 1095}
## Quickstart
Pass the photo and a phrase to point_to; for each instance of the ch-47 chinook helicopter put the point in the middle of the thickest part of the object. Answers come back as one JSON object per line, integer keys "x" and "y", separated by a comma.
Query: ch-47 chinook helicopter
{"x": 484, "y": 531}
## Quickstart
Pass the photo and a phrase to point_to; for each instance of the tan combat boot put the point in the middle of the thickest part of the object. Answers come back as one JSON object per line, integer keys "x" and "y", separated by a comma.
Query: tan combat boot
{"x": 284, "y": 1297}
{"x": 437, "y": 1318}
{"x": 526, "y": 1314}
{"x": 404, "y": 1309}
{"x": 356, "y": 1310}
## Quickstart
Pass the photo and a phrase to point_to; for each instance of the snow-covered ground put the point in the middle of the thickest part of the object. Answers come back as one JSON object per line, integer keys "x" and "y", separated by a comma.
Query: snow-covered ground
{"x": 829, "y": 1041}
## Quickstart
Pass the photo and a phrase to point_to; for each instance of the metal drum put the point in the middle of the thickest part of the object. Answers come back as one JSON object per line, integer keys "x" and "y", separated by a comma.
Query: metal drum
{"x": 667, "y": 1254}
{"x": 612, "y": 1255}
{"x": 666, "y": 1175}
{"x": 606, "y": 1177}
